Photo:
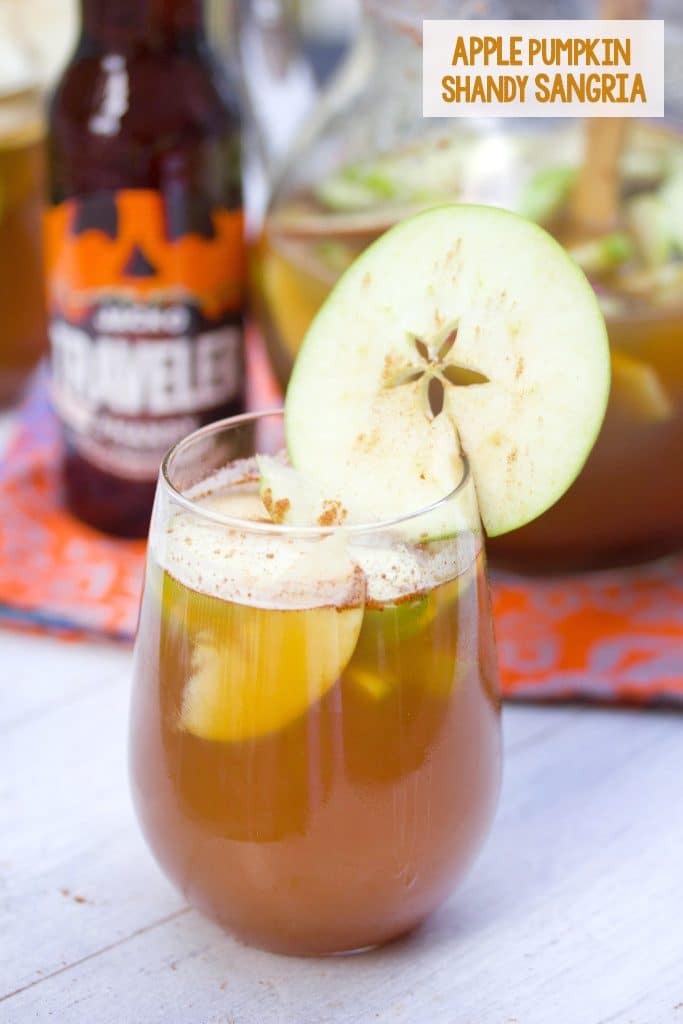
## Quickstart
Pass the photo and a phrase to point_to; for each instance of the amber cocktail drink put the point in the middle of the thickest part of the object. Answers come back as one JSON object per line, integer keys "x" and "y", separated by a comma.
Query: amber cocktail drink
{"x": 315, "y": 726}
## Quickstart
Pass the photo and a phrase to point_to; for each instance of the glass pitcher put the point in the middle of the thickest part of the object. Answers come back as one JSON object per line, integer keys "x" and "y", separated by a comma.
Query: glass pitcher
{"x": 610, "y": 190}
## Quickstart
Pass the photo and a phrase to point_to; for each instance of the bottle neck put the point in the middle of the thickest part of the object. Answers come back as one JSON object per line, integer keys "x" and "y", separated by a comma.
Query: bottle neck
{"x": 155, "y": 23}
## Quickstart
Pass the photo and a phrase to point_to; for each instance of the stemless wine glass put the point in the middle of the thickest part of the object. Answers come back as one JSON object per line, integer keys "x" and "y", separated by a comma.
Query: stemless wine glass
{"x": 315, "y": 742}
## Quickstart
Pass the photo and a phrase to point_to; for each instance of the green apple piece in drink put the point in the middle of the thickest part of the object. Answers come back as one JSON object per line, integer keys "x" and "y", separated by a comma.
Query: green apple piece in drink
{"x": 464, "y": 329}
{"x": 293, "y": 499}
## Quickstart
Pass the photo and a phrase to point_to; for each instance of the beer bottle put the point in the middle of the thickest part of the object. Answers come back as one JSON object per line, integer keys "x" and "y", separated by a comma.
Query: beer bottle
{"x": 144, "y": 251}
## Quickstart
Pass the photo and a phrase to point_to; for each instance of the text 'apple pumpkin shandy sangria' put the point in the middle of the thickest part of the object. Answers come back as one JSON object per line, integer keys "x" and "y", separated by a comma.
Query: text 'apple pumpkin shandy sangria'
{"x": 315, "y": 722}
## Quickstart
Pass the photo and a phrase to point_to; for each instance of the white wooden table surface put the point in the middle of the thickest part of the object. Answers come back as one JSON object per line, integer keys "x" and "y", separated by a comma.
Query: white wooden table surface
{"x": 573, "y": 914}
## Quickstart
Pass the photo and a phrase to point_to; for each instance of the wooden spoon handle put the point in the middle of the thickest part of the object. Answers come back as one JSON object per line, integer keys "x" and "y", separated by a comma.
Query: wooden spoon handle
{"x": 595, "y": 200}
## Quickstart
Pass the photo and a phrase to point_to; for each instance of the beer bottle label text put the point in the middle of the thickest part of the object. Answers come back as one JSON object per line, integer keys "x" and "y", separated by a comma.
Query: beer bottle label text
{"x": 145, "y": 297}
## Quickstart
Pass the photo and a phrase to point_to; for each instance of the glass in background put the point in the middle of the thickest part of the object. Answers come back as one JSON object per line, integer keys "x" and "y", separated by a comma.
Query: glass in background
{"x": 35, "y": 36}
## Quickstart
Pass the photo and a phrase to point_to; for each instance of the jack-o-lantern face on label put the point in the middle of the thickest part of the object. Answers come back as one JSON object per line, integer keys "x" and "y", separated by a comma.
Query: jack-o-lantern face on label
{"x": 145, "y": 296}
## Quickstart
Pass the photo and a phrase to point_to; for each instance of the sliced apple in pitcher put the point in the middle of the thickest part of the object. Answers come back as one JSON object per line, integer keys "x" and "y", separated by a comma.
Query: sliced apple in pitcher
{"x": 465, "y": 328}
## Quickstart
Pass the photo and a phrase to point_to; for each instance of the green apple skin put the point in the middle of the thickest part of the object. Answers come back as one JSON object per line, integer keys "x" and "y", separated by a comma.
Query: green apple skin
{"x": 527, "y": 324}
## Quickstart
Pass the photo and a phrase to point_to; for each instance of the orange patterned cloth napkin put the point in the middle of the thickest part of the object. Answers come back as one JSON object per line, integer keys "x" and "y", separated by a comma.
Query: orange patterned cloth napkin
{"x": 56, "y": 572}
{"x": 611, "y": 636}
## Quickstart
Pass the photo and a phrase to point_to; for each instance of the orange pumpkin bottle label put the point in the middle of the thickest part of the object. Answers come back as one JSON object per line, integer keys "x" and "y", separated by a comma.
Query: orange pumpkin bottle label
{"x": 145, "y": 299}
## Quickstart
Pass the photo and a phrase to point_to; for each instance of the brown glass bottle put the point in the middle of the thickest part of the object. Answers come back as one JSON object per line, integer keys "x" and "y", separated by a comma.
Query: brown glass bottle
{"x": 144, "y": 250}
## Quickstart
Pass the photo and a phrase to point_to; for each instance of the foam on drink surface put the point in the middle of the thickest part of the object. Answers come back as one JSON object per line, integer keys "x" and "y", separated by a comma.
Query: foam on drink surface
{"x": 266, "y": 567}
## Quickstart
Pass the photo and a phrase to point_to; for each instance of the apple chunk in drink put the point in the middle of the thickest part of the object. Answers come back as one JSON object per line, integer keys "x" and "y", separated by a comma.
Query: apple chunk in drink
{"x": 315, "y": 727}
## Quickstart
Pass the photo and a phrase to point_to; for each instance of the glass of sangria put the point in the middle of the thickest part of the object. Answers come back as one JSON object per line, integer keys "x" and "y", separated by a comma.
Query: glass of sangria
{"x": 315, "y": 745}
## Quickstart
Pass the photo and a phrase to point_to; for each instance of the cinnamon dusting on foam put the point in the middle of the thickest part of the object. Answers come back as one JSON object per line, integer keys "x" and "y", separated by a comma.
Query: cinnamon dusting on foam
{"x": 229, "y": 561}
{"x": 333, "y": 514}
{"x": 277, "y": 510}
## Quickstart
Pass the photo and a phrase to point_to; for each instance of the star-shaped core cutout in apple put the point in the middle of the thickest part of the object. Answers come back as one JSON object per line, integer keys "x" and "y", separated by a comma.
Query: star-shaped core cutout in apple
{"x": 437, "y": 371}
